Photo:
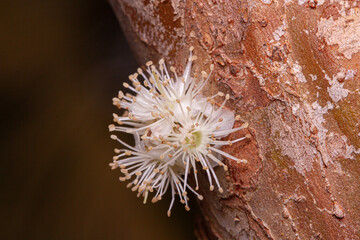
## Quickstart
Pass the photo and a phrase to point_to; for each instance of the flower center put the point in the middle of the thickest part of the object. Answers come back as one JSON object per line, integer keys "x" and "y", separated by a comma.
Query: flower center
{"x": 195, "y": 140}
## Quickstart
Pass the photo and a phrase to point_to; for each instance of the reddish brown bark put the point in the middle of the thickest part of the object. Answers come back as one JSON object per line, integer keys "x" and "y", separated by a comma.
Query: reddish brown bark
{"x": 293, "y": 71}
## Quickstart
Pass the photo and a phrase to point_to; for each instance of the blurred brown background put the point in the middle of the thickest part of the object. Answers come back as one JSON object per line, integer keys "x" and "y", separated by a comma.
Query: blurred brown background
{"x": 61, "y": 62}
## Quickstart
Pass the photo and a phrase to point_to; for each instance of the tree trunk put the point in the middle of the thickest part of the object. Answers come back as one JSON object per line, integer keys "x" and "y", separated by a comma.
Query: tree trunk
{"x": 292, "y": 69}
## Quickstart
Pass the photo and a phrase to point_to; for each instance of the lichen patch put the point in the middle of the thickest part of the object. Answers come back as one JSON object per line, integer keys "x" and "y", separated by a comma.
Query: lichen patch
{"x": 297, "y": 71}
{"x": 290, "y": 137}
{"x": 336, "y": 90}
{"x": 266, "y": 1}
{"x": 279, "y": 32}
{"x": 316, "y": 114}
{"x": 301, "y": 2}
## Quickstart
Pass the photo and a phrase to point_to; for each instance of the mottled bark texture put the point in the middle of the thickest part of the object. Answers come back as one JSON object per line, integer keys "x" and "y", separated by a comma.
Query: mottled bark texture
{"x": 292, "y": 69}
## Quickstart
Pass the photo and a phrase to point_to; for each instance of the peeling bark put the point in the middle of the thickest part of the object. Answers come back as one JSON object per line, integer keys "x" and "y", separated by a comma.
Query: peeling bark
{"x": 292, "y": 69}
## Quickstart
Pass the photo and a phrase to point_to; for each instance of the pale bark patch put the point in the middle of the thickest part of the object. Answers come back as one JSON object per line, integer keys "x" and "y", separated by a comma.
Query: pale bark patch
{"x": 344, "y": 32}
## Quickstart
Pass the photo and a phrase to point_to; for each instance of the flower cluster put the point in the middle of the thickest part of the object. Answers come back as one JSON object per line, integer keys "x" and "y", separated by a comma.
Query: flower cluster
{"x": 176, "y": 130}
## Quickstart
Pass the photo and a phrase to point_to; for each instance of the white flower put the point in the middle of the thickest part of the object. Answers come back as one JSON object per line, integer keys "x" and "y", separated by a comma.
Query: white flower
{"x": 199, "y": 138}
{"x": 152, "y": 171}
{"x": 174, "y": 127}
{"x": 161, "y": 101}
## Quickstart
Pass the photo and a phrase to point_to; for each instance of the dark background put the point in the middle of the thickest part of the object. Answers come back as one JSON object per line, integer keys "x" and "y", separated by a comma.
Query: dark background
{"x": 61, "y": 62}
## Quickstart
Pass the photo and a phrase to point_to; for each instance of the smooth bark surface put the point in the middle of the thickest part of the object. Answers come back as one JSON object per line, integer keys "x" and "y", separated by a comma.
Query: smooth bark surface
{"x": 292, "y": 69}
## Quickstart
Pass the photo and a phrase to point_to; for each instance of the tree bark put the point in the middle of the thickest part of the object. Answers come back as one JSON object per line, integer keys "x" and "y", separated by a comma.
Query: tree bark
{"x": 292, "y": 69}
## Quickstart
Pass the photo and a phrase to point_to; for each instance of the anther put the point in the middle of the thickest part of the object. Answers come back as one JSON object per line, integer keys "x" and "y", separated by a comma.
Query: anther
{"x": 241, "y": 161}
{"x": 120, "y": 95}
{"x": 111, "y": 127}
